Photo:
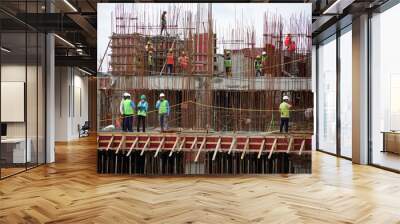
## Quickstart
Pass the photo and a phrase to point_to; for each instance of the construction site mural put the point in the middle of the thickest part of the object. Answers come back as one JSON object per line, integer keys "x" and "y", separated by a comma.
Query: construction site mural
{"x": 217, "y": 82}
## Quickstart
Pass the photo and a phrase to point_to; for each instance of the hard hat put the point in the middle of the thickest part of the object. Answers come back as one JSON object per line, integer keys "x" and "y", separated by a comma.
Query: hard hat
{"x": 183, "y": 52}
{"x": 127, "y": 95}
{"x": 149, "y": 42}
{"x": 162, "y": 95}
{"x": 143, "y": 97}
{"x": 258, "y": 56}
{"x": 264, "y": 53}
{"x": 285, "y": 98}
{"x": 170, "y": 50}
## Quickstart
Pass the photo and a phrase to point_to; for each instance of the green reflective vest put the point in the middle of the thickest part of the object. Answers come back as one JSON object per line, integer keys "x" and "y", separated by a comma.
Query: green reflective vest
{"x": 284, "y": 109}
{"x": 264, "y": 58}
{"x": 128, "y": 110}
{"x": 141, "y": 108}
{"x": 228, "y": 63}
{"x": 257, "y": 64}
{"x": 163, "y": 108}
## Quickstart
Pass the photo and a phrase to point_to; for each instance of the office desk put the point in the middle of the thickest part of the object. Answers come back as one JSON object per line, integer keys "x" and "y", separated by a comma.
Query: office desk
{"x": 391, "y": 141}
{"x": 13, "y": 150}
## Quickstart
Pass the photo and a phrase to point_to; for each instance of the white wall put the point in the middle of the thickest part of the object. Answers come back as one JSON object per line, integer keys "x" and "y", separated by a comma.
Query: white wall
{"x": 71, "y": 102}
{"x": 33, "y": 127}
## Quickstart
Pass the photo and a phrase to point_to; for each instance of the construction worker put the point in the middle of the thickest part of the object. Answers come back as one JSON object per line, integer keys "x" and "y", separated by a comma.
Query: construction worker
{"x": 142, "y": 108}
{"x": 183, "y": 61}
{"x": 149, "y": 46}
{"x": 127, "y": 109}
{"x": 263, "y": 62}
{"x": 150, "y": 61}
{"x": 149, "y": 50}
{"x": 170, "y": 61}
{"x": 284, "y": 109}
{"x": 258, "y": 66}
{"x": 228, "y": 64}
{"x": 162, "y": 106}
{"x": 164, "y": 23}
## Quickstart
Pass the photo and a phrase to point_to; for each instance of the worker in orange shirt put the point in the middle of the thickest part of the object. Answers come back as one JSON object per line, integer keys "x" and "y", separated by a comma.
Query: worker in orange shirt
{"x": 183, "y": 62}
{"x": 170, "y": 61}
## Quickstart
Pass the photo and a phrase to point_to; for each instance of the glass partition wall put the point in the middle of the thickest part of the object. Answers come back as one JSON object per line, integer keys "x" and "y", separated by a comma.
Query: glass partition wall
{"x": 385, "y": 89}
{"x": 22, "y": 77}
{"x": 334, "y": 86}
{"x": 326, "y": 110}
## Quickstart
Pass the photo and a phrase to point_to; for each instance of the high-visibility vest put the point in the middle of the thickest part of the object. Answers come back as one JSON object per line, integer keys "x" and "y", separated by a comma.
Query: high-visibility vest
{"x": 163, "y": 107}
{"x": 170, "y": 59}
{"x": 263, "y": 58}
{"x": 228, "y": 63}
{"x": 284, "y": 110}
{"x": 142, "y": 111}
{"x": 257, "y": 64}
{"x": 128, "y": 110}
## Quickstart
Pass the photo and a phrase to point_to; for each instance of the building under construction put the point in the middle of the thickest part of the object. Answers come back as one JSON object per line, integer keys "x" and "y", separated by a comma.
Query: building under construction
{"x": 204, "y": 101}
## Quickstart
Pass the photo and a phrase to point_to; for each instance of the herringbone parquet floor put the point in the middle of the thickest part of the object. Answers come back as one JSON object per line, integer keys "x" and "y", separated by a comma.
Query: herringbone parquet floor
{"x": 70, "y": 191}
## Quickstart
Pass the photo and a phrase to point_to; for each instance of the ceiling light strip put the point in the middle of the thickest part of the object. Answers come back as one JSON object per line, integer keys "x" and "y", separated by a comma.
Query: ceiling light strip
{"x": 64, "y": 40}
{"x": 70, "y": 5}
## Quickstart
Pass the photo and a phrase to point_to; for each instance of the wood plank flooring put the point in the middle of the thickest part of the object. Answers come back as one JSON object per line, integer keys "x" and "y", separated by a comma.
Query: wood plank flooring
{"x": 70, "y": 191}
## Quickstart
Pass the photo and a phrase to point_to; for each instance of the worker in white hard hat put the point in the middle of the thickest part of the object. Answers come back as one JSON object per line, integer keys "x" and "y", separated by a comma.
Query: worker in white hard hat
{"x": 284, "y": 109}
{"x": 127, "y": 109}
{"x": 163, "y": 108}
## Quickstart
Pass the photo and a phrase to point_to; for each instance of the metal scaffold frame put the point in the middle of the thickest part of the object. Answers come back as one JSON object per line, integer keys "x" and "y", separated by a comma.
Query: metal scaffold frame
{"x": 202, "y": 97}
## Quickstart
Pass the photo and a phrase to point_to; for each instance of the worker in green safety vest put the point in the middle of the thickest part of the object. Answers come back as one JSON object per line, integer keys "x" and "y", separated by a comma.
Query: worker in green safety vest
{"x": 263, "y": 62}
{"x": 284, "y": 109}
{"x": 162, "y": 106}
{"x": 228, "y": 64}
{"x": 127, "y": 109}
{"x": 142, "y": 108}
{"x": 258, "y": 65}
